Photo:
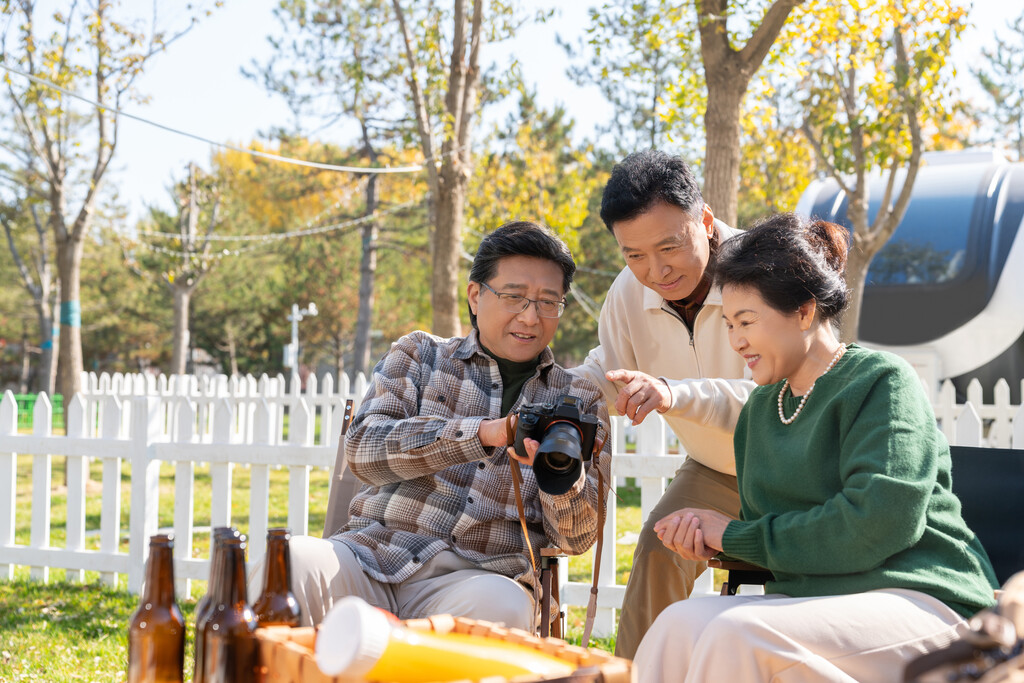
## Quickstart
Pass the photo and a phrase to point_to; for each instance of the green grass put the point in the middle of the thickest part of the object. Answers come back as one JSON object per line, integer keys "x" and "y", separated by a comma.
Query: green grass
{"x": 78, "y": 632}
{"x": 68, "y": 632}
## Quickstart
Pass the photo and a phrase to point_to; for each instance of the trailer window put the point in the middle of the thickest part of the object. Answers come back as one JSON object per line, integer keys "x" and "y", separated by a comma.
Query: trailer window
{"x": 930, "y": 244}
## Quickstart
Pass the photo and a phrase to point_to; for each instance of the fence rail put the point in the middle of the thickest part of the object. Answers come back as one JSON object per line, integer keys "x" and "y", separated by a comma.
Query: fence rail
{"x": 224, "y": 422}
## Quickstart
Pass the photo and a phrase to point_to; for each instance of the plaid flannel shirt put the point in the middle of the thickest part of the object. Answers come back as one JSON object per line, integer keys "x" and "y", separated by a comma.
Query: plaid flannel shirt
{"x": 429, "y": 484}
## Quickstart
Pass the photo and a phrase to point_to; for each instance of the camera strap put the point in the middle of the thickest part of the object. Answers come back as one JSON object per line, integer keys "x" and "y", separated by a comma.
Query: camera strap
{"x": 517, "y": 483}
{"x": 517, "y": 479}
{"x": 588, "y": 625}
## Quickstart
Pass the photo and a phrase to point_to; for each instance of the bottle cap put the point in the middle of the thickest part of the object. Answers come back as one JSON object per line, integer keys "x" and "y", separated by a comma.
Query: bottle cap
{"x": 352, "y": 638}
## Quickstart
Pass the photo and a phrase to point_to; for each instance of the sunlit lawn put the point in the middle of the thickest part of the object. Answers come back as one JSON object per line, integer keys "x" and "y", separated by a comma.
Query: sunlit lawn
{"x": 64, "y": 631}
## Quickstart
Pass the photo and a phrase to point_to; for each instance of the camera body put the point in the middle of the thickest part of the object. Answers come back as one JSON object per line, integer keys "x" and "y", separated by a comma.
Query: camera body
{"x": 566, "y": 438}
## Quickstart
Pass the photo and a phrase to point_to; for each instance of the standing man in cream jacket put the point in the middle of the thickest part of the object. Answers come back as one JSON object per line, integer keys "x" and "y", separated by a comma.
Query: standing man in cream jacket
{"x": 663, "y": 346}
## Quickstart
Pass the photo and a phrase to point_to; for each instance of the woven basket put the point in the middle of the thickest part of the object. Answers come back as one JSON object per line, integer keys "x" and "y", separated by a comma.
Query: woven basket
{"x": 286, "y": 654}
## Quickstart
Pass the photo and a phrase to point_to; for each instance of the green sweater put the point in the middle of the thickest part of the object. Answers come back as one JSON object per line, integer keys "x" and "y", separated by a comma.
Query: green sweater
{"x": 854, "y": 495}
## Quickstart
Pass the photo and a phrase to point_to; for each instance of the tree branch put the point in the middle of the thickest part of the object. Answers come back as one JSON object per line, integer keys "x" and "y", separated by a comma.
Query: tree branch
{"x": 26, "y": 277}
{"x": 756, "y": 49}
{"x": 819, "y": 152}
{"x": 457, "y": 68}
{"x": 714, "y": 33}
{"x": 910, "y": 108}
{"x": 472, "y": 80}
{"x": 418, "y": 101}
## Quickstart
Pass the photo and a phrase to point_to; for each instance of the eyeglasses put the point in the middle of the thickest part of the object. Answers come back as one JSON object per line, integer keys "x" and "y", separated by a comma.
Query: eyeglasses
{"x": 516, "y": 303}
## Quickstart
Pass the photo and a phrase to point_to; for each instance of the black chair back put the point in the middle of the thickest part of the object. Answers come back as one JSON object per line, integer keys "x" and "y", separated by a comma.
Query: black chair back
{"x": 990, "y": 484}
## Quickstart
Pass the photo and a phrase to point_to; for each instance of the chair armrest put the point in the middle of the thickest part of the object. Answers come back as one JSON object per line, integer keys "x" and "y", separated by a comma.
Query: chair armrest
{"x": 735, "y": 565}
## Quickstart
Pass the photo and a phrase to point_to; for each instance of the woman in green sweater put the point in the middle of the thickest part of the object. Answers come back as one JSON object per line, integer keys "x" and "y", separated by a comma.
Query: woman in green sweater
{"x": 844, "y": 484}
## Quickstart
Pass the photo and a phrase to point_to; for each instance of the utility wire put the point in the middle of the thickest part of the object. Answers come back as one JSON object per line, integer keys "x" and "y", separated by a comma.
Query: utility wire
{"x": 264, "y": 155}
{"x": 276, "y": 236}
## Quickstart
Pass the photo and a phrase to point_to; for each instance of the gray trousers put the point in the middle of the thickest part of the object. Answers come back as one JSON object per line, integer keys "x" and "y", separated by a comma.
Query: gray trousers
{"x": 660, "y": 577}
{"x": 325, "y": 570}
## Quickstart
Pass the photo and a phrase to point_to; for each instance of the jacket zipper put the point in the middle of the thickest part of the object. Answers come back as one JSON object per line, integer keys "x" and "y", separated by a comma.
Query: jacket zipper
{"x": 693, "y": 346}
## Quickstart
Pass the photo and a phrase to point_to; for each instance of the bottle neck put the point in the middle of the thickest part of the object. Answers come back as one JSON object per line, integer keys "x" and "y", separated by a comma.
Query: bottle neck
{"x": 231, "y": 582}
{"x": 159, "y": 576}
{"x": 278, "y": 567}
{"x": 220, "y": 534}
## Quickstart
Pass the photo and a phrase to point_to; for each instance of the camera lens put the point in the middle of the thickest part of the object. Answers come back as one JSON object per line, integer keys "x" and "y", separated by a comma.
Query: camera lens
{"x": 558, "y": 462}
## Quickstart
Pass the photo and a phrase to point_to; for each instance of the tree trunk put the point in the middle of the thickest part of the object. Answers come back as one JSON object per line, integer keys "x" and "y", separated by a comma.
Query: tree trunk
{"x": 367, "y": 276}
{"x": 722, "y": 153}
{"x": 70, "y": 367}
{"x": 26, "y": 363}
{"x": 45, "y": 375}
{"x": 339, "y": 357}
{"x": 444, "y": 294}
{"x": 857, "y": 265}
{"x": 728, "y": 69}
{"x": 179, "y": 352}
{"x": 232, "y": 351}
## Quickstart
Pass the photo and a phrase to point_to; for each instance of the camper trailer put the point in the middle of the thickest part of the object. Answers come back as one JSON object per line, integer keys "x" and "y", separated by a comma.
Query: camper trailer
{"x": 947, "y": 291}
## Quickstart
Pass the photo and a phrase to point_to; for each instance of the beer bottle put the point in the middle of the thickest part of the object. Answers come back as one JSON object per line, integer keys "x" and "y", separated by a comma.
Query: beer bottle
{"x": 219, "y": 534}
{"x": 156, "y": 634}
{"x": 229, "y": 646}
{"x": 205, "y": 604}
{"x": 277, "y": 605}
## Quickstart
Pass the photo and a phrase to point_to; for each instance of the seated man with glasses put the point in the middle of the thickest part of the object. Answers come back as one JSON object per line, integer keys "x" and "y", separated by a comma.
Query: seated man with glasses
{"x": 436, "y": 527}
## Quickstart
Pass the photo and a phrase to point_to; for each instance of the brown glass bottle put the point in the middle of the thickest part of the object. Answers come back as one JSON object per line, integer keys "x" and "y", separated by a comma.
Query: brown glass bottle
{"x": 205, "y": 603}
{"x": 229, "y": 646}
{"x": 156, "y": 634}
{"x": 277, "y": 605}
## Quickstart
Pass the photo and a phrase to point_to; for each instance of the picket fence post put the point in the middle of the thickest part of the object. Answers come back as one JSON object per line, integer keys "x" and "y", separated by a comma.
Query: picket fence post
{"x": 184, "y": 492}
{"x": 259, "y": 483}
{"x": 1017, "y": 429}
{"x": 42, "y": 476}
{"x": 77, "y": 475}
{"x": 968, "y": 430}
{"x": 220, "y": 472}
{"x": 300, "y": 433}
{"x": 147, "y": 428}
{"x": 999, "y": 434}
{"x": 8, "y": 478}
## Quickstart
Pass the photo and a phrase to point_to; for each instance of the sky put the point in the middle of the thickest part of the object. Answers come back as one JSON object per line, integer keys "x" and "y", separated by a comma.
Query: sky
{"x": 197, "y": 86}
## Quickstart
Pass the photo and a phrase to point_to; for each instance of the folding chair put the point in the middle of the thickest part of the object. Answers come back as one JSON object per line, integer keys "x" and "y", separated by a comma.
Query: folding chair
{"x": 988, "y": 482}
{"x": 344, "y": 484}
{"x": 549, "y": 586}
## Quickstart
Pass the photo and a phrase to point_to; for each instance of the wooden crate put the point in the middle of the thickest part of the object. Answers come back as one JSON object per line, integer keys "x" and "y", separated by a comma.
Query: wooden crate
{"x": 286, "y": 654}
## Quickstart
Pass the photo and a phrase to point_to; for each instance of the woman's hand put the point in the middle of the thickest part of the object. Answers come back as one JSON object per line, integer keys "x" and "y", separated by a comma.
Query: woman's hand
{"x": 640, "y": 394}
{"x": 692, "y": 533}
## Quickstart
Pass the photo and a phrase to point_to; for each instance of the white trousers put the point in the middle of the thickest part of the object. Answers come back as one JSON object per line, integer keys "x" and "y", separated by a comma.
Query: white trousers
{"x": 325, "y": 570}
{"x": 859, "y": 638}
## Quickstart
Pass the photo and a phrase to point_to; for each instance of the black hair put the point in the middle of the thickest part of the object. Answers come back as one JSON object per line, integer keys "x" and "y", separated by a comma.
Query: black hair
{"x": 520, "y": 238}
{"x": 643, "y": 179}
{"x": 789, "y": 260}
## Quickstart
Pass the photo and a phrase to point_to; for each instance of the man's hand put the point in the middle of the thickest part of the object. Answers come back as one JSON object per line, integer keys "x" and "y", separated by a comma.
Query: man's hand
{"x": 531, "y": 452}
{"x": 693, "y": 533}
{"x": 493, "y": 433}
{"x": 640, "y": 394}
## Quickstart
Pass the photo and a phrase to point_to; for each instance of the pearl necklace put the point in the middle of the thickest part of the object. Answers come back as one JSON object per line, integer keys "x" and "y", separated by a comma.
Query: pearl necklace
{"x": 789, "y": 420}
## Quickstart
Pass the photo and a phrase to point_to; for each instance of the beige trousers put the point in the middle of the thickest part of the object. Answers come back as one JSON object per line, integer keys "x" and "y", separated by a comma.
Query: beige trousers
{"x": 660, "y": 577}
{"x": 325, "y": 570}
{"x": 858, "y": 638}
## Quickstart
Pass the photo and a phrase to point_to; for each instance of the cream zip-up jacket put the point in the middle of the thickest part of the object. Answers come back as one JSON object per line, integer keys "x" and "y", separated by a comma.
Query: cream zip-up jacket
{"x": 639, "y": 330}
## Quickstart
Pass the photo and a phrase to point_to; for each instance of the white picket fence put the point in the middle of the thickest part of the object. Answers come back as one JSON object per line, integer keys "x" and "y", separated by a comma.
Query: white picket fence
{"x": 146, "y": 421}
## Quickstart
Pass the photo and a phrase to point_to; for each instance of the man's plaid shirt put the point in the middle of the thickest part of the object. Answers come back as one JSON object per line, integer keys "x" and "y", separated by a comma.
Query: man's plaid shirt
{"x": 429, "y": 484}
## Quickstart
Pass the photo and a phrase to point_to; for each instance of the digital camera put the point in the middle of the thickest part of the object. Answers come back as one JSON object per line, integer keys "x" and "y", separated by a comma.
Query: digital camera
{"x": 566, "y": 439}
